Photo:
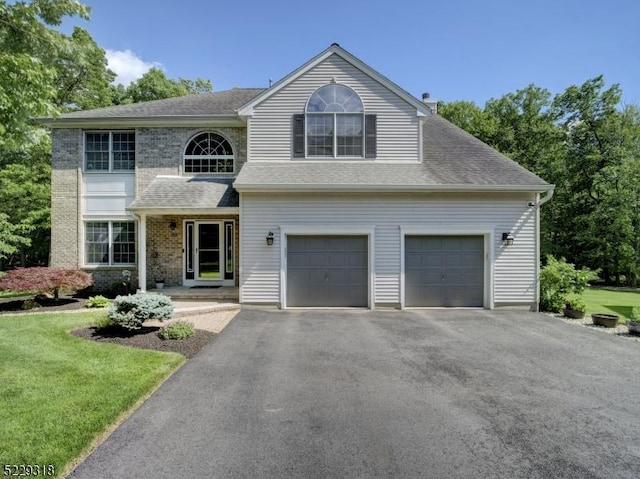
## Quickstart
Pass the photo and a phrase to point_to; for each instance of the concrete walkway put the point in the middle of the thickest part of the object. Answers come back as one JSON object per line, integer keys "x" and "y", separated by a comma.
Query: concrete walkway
{"x": 206, "y": 315}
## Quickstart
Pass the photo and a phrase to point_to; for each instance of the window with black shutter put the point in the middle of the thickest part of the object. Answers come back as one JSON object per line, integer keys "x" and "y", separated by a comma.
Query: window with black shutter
{"x": 334, "y": 126}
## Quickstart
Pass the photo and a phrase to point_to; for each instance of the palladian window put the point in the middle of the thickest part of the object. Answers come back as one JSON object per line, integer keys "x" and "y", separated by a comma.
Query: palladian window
{"x": 335, "y": 123}
{"x": 208, "y": 153}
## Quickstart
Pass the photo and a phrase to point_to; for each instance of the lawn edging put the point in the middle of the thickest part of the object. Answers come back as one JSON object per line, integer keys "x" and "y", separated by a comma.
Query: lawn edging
{"x": 102, "y": 437}
{"x": 62, "y": 395}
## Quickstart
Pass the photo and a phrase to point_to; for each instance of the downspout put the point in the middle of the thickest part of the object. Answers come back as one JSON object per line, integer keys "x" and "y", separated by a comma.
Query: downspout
{"x": 539, "y": 203}
{"x": 547, "y": 197}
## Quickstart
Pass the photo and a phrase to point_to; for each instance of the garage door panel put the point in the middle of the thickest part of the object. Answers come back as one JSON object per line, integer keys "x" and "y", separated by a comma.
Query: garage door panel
{"x": 326, "y": 271}
{"x": 446, "y": 271}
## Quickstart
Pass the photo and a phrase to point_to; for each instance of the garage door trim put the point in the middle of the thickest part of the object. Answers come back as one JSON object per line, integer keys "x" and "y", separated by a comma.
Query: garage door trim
{"x": 458, "y": 230}
{"x": 326, "y": 230}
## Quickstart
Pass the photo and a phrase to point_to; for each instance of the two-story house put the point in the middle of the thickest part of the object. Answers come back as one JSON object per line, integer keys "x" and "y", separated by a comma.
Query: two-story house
{"x": 332, "y": 187}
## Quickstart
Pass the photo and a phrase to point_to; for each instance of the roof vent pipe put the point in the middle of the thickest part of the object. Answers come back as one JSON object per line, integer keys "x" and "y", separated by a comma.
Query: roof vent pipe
{"x": 432, "y": 104}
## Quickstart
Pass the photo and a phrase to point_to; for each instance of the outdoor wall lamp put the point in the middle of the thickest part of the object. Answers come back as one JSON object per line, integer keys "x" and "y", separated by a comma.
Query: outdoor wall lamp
{"x": 507, "y": 239}
{"x": 270, "y": 238}
{"x": 173, "y": 225}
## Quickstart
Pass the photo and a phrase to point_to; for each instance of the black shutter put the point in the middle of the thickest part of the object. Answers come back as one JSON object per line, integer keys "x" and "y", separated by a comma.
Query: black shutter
{"x": 298, "y": 136}
{"x": 370, "y": 136}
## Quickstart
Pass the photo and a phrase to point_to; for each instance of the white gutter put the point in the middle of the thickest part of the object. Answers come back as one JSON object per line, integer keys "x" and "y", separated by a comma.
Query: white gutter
{"x": 454, "y": 188}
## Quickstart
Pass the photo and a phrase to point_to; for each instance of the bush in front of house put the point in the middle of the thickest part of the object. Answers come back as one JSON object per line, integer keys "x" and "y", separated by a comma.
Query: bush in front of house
{"x": 102, "y": 323}
{"x": 42, "y": 280}
{"x": 98, "y": 301}
{"x": 131, "y": 311}
{"x": 177, "y": 330}
{"x": 560, "y": 280}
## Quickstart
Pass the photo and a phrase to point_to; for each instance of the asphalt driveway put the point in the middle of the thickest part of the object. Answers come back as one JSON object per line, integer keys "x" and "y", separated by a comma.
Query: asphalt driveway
{"x": 436, "y": 394}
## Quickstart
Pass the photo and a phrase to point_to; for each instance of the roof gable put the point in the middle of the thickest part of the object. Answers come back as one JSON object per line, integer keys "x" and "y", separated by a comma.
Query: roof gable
{"x": 334, "y": 49}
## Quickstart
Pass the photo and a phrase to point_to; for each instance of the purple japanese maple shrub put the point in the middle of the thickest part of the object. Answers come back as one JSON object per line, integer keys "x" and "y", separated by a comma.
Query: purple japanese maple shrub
{"x": 42, "y": 279}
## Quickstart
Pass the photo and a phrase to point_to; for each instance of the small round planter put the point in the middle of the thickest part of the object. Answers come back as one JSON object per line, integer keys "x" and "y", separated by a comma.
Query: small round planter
{"x": 573, "y": 313}
{"x": 634, "y": 327}
{"x": 606, "y": 320}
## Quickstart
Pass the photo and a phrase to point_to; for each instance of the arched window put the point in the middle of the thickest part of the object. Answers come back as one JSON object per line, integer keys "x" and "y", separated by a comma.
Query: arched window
{"x": 335, "y": 122}
{"x": 208, "y": 153}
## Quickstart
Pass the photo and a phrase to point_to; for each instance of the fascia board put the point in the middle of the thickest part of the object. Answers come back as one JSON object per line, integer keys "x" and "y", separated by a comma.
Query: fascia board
{"x": 156, "y": 121}
{"x": 185, "y": 211}
{"x": 247, "y": 109}
{"x": 422, "y": 109}
{"x": 392, "y": 188}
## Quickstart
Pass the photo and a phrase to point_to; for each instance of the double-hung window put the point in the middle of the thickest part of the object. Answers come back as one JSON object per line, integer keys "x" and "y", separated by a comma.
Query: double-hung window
{"x": 335, "y": 123}
{"x": 106, "y": 151}
{"x": 110, "y": 242}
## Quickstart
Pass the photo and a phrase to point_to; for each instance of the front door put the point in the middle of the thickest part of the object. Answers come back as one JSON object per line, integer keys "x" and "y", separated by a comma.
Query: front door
{"x": 208, "y": 251}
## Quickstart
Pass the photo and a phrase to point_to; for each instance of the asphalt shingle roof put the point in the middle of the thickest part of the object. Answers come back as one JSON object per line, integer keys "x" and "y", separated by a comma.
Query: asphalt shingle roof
{"x": 451, "y": 157}
{"x": 205, "y": 104}
{"x": 176, "y": 192}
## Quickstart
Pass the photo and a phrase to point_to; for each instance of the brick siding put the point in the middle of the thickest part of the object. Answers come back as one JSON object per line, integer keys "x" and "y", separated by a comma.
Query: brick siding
{"x": 158, "y": 152}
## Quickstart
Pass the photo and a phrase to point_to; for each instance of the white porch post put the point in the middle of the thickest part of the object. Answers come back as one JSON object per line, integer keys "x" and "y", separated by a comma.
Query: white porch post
{"x": 142, "y": 252}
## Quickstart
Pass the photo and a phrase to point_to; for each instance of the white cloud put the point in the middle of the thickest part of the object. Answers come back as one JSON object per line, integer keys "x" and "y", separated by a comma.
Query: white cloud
{"x": 128, "y": 66}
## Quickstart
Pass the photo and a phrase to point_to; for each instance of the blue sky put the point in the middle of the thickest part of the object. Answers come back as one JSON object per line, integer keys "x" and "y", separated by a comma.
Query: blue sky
{"x": 454, "y": 49}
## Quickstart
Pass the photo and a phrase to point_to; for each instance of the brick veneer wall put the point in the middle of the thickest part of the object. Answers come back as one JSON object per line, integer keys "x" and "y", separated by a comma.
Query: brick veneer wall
{"x": 66, "y": 163}
{"x": 164, "y": 247}
{"x": 158, "y": 152}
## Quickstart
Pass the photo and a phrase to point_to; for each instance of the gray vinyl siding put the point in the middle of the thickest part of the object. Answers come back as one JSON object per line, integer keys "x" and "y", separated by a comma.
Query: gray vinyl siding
{"x": 397, "y": 122}
{"x": 514, "y": 267}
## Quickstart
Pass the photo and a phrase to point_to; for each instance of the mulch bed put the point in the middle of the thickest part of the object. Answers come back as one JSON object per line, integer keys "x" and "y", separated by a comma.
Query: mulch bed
{"x": 65, "y": 303}
{"x": 147, "y": 338}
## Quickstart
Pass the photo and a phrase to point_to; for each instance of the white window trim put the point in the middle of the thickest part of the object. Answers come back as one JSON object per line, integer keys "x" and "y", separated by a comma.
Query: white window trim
{"x": 111, "y": 169}
{"x": 209, "y": 157}
{"x": 335, "y": 155}
{"x": 109, "y": 222}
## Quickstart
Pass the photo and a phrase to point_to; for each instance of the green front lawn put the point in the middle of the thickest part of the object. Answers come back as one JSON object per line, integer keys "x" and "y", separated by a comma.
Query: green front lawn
{"x": 58, "y": 393}
{"x": 13, "y": 294}
{"x": 611, "y": 301}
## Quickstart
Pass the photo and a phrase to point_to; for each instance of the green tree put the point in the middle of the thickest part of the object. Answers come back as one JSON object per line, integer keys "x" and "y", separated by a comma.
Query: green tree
{"x": 468, "y": 116}
{"x": 603, "y": 155}
{"x": 155, "y": 85}
{"x": 523, "y": 126}
{"x": 10, "y": 241}
{"x": 83, "y": 78}
{"x": 29, "y": 49}
{"x": 585, "y": 143}
{"x": 42, "y": 72}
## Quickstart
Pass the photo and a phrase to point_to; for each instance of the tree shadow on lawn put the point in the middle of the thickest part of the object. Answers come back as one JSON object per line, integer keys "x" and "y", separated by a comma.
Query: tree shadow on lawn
{"x": 67, "y": 303}
{"x": 620, "y": 310}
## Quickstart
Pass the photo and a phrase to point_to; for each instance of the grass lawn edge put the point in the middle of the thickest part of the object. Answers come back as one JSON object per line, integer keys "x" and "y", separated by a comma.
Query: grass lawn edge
{"x": 104, "y": 435}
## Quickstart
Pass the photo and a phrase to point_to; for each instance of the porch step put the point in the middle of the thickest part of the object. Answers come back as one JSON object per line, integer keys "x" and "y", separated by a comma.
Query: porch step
{"x": 228, "y": 293}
